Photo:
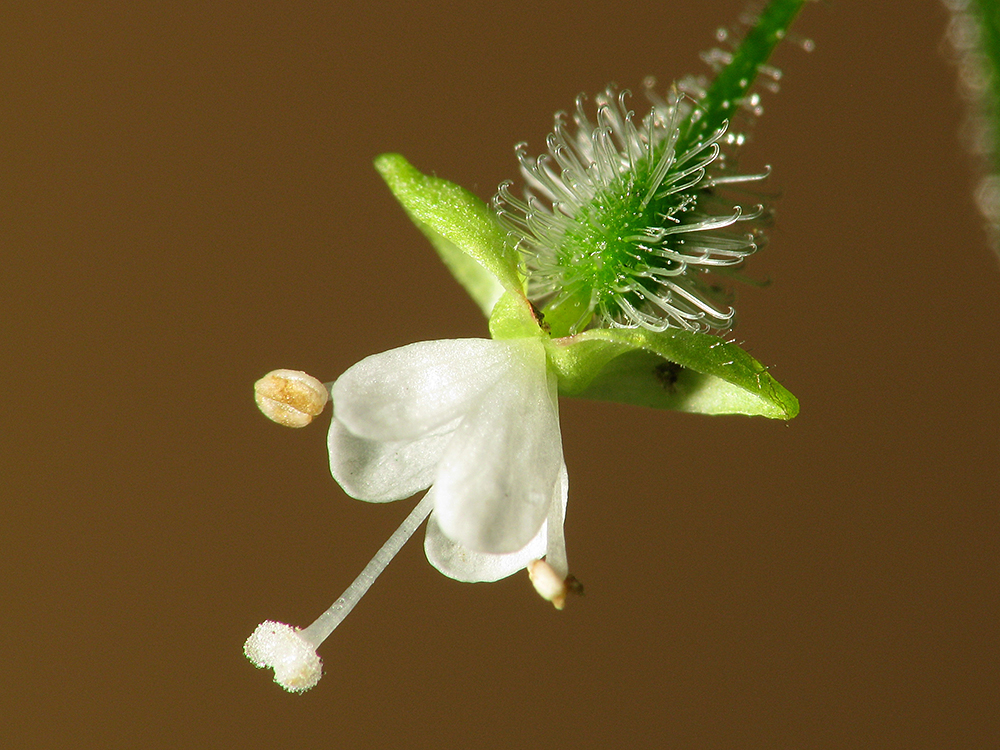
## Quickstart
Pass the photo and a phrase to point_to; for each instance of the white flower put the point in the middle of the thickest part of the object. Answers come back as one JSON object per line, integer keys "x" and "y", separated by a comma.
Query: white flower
{"x": 477, "y": 421}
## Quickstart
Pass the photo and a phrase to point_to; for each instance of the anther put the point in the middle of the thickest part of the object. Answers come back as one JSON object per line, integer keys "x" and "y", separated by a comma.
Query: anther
{"x": 550, "y": 585}
{"x": 290, "y": 397}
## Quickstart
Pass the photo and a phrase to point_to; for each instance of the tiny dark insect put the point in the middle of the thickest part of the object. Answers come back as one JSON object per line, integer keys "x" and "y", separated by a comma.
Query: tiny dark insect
{"x": 540, "y": 317}
{"x": 574, "y": 586}
{"x": 668, "y": 373}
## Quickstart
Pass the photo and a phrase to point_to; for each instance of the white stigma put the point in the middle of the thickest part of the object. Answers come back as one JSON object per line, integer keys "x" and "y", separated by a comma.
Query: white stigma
{"x": 291, "y": 651}
{"x": 297, "y": 666}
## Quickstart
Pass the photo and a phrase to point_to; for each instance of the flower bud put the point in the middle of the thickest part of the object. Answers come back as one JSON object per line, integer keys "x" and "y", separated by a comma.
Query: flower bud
{"x": 290, "y": 397}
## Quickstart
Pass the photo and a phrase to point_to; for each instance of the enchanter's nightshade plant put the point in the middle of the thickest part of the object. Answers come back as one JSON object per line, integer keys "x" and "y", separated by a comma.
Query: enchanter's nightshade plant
{"x": 594, "y": 285}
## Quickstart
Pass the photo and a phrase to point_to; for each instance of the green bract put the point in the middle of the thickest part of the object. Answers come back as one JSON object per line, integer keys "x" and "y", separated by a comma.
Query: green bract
{"x": 461, "y": 228}
{"x": 675, "y": 369}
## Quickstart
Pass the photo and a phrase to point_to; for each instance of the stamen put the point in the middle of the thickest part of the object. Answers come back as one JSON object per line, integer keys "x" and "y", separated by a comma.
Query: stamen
{"x": 290, "y": 397}
{"x": 291, "y": 652}
{"x": 550, "y": 576}
{"x": 549, "y": 584}
{"x": 327, "y": 622}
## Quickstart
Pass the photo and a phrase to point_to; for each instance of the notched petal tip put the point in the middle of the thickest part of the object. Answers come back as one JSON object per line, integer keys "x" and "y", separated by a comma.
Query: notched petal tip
{"x": 297, "y": 666}
{"x": 290, "y": 397}
{"x": 462, "y": 564}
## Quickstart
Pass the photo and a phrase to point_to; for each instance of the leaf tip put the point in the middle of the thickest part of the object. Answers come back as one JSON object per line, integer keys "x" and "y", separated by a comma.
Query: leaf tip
{"x": 393, "y": 167}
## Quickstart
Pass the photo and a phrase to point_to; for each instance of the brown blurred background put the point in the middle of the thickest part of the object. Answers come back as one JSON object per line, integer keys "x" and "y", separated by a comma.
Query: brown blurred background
{"x": 189, "y": 202}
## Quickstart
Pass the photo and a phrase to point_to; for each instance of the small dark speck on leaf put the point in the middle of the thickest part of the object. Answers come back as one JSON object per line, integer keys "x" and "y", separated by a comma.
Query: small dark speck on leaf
{"x": 667, "y": 373}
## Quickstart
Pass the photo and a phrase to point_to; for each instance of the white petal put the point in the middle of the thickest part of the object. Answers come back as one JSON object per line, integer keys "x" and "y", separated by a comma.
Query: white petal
{"x": 408, "y": 392}
{"x": 555, "y": 550}
{"x": 381, "y": 472}
{"x": 497, "y": 477}
{"x": 462, "y": 564}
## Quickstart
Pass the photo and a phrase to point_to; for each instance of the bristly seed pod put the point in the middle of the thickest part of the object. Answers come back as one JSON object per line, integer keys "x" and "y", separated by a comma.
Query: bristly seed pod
{"x": 290, "y": 397}
{"x": 623, "y": 217}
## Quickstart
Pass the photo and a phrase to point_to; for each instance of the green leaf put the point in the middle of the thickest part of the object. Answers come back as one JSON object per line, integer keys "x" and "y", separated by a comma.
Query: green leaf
{"x": 461, "y": 227}
{"x": 675, "y": 369}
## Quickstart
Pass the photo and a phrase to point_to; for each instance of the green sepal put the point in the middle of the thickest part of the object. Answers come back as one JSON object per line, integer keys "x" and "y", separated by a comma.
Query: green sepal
{"x": 675, "y": 369}
{"x": 564, "y": 315}
{"x": 461, "y": 228}
{"x": 513, "y": 317}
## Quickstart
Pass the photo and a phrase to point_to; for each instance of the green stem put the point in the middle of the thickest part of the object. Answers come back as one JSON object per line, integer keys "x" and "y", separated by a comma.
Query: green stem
{"x": 734, "y": 81}
{"x": 987, "y": 13}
